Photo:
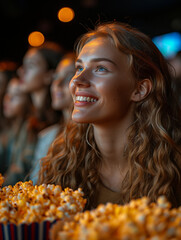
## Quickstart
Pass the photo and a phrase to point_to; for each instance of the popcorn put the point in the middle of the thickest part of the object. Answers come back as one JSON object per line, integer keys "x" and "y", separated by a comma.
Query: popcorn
{"x": 1, "y": 180}
{"x": 138, "y": 220}
{"x": 25, "y": 203}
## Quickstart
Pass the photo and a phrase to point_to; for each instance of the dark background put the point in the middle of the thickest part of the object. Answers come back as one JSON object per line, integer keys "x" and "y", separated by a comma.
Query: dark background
{"x": 20, "y": 17}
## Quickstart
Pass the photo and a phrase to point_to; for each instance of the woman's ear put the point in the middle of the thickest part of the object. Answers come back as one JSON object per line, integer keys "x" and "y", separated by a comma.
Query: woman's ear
{"x": 142, "y": 90}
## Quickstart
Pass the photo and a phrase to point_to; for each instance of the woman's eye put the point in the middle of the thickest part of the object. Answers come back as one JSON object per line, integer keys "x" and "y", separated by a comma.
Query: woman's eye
{"x": 79, "y": 69}
{"x": 101, "y": 69}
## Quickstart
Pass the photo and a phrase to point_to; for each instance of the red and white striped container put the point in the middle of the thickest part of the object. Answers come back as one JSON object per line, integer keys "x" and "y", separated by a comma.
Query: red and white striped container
{"x": 33, "y": 231}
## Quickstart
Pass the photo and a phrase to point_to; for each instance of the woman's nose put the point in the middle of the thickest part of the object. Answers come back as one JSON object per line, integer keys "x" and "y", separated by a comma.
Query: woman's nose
{"x": 80, "y": 83}
{"x": 81, "y": 80}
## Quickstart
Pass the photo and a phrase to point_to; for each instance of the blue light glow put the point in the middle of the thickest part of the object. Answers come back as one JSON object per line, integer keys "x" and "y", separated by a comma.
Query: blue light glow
{"x": 168, "y": 44}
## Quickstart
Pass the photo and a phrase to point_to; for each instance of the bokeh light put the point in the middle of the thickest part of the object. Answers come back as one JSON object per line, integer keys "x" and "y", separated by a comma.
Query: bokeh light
{"x": 66, "y": 14}
{"x": 168, "y": 44}
{"x": 36, "y": 39}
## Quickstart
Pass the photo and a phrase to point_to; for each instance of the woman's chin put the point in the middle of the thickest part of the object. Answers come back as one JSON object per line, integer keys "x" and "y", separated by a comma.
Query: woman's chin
{"x": 80, "y": 119}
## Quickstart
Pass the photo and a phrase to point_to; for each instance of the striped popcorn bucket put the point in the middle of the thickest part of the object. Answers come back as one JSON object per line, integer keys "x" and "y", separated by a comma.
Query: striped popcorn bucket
{"x": 33, "y": 231}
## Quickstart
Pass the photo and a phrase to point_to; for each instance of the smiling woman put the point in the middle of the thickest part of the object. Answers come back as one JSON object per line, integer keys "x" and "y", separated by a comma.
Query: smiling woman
{"x": 104, "y": 75}
{"x": 125, "y": 137}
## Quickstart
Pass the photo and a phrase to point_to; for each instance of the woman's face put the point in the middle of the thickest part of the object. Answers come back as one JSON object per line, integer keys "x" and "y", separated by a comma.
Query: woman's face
{"x": 33, "y": 71}
{"x": 14, "y": 100}
{"x": 103, "y": 84}
{"x": 61, "y": 97}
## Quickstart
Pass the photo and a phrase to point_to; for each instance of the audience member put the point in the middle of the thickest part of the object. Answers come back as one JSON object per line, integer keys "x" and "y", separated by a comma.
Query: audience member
{"x": 176, "y": 63}
{"x": 125, "y": 138}
{"x": 36, "y": 75}
{"x": 7, "y": 70}
{"x": 61, "y": 101}
{"x": 19, "y": 143}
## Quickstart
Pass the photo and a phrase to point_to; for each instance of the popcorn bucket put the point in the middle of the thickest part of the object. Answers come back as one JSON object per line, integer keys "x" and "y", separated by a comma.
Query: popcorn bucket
{"x": 27, "y": 212}
{"x": 33, "y": 231}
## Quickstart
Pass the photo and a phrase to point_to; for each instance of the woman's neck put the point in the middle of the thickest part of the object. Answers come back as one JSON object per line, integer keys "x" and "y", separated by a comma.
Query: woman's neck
{"x": 38, "y": 97}
{"x": 66, "y": 114}
{"x": 111, "y": 142}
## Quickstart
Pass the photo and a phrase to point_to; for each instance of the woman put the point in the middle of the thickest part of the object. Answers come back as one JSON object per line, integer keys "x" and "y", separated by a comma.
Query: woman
{"x": 61, "y": 101}
{"x": 124, "y": 141}
{"x": 176, "y": 64}
{"x": 7, "y": 70}
{"x": 19, "y": 141}
{"x": 36, "y": 75}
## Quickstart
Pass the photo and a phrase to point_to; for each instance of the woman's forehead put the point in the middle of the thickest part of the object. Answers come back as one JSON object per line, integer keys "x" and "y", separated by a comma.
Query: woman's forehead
{"x": 14, "y": 86}
{"x": 33, "y": 55}
{"x": 102, "y": 47}
{"x": 97, "y": 46}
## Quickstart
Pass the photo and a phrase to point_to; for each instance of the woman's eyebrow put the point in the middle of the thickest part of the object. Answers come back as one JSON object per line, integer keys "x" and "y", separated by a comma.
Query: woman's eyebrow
{"x": 99, "y": 60}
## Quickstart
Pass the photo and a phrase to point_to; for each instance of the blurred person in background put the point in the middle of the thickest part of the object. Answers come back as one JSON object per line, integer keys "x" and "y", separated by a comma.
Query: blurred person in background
{"x": 61, "y": 101}
{"x": 176, "y": 64}
{"x": 7, "y": 70}
{"x": 19, "y": 144}
{"x": 36, "y": 74}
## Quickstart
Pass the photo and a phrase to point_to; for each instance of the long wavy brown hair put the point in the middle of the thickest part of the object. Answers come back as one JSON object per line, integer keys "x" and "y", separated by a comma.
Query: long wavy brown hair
{"x": 153, "y": 149}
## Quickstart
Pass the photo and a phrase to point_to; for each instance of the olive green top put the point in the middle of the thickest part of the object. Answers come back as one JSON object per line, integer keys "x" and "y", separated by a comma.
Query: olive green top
{"x": 106, "y": 195}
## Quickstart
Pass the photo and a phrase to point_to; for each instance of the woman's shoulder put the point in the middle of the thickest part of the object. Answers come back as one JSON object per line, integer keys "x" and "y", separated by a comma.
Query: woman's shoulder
{"x": 49, "y": 131}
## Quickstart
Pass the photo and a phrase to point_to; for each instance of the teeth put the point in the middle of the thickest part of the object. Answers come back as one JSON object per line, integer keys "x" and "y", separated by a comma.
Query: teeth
{"x": 85, "y": 99}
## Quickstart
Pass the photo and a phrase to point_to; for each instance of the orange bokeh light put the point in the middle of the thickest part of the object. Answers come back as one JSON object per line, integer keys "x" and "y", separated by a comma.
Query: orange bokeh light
{"x": 66, "y": 14}
{"x": 36, "y": 39}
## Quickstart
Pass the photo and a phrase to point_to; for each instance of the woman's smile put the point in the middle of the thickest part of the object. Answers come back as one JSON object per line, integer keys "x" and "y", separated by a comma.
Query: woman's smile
{"x": 84, "y": 98}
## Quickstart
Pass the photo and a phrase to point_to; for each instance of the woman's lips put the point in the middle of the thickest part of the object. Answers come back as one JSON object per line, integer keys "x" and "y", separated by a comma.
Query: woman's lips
{"x": 84, "y": 98}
